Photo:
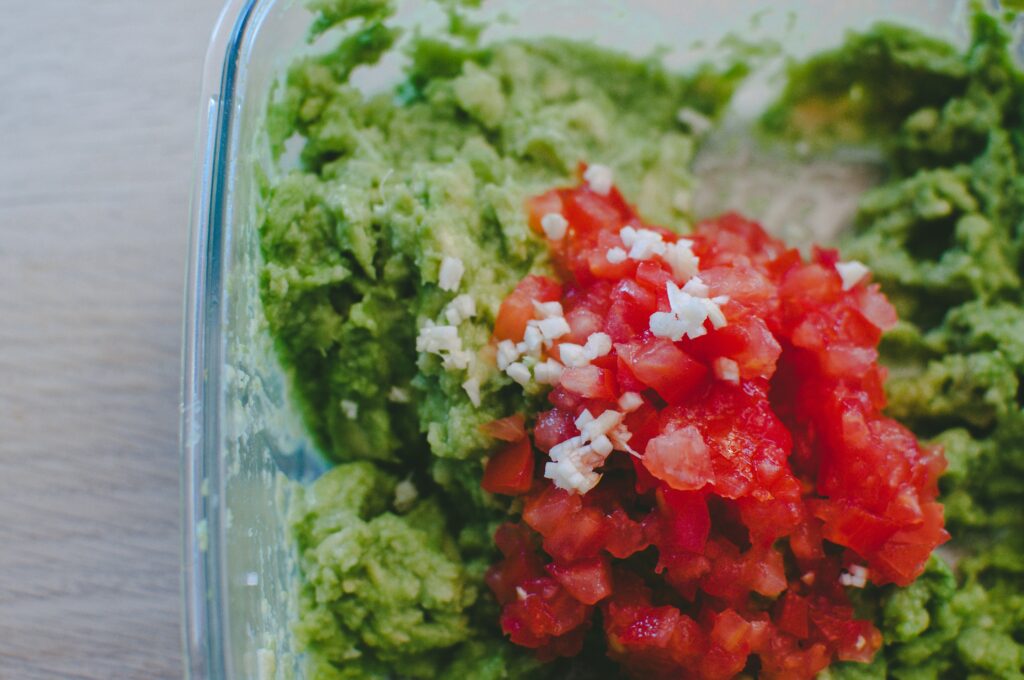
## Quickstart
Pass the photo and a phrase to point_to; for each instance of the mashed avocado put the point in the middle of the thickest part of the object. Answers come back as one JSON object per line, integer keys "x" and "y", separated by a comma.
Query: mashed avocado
{"x": 945, "y": 237}
{"x": 393, "y": 542}
{"x": 389, "y": 187}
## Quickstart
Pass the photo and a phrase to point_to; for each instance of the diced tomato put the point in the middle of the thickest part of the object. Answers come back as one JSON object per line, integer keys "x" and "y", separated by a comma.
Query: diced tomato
{"x": 903, "y": 557}
{"x": 588, "y": 580}
{"x": 553, "y": 427}
{"x": 509, "y": 429}
{"x": 875, "y": 307}
{"x": 603, "y": 268}
{"x": 581, "y": 535}
{"x": 539, "y": 206}
{"x": 685, "y": 522}
{"x": 517, "y": 309}
{"x": 748, "y": 342}
{"x": 792, "y": 615}
{"x": 546, "y": 510}
{"x": 851, "y": 526}
{"x": 706, "y": 473}
{"x": 765, "y": 572}
{"x": 643, "y": 424}
{"x": 546, "y": 612}
{"x": 522, "y": 562}
{"x": 661, "y": 365}
{"x": 583, "y": 323}
{"x": 589, "y": 382}
{"x": 748, "y": 288}
{"x": 731, "y": 631}
{"x": 625, "y": 536}
{"x": 592, "y": 213}
{"x": 681, "y": 459}
{"x": 561, "y": 398}
{"x": 652, "y": 275}
{"x": 510, "y": 471}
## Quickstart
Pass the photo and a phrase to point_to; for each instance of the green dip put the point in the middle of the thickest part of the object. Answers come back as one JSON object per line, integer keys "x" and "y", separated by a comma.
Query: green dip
{"x": 393, "y": 541}
{"x": 945, "y": 237}
{"x": 353, "y": 241}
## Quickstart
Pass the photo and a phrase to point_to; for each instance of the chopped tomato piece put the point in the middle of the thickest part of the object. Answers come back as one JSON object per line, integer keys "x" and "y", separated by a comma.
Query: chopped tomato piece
{"x": 553, "y": 427}
{"x": 509, "y": 429}
{"x": 681, "y": 459}
{"x": 517, "y": 309}
{"x": 539, "y": 206}
{"x": 589, "y": 382}
{"x": 661, "y": 365}
{"x": 510, "y": 471}
{"x": 588, "y": 580}
{"x": 685, "y": 521}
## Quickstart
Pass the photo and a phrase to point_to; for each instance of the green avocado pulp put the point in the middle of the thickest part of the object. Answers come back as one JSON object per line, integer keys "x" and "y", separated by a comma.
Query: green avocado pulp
{"x": 394, "y": 540}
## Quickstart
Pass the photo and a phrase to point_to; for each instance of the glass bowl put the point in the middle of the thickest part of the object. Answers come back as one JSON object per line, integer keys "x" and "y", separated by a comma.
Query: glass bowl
{"x": 241, "y": 439}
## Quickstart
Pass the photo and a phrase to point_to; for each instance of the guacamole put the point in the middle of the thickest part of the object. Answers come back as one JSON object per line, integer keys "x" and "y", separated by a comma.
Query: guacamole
{"x": 405, "y": 213}
{"x": 944, "y": 236}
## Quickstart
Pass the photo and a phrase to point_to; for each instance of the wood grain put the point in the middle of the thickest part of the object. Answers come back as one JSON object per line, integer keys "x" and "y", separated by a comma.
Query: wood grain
{"x": 98, "y": 108}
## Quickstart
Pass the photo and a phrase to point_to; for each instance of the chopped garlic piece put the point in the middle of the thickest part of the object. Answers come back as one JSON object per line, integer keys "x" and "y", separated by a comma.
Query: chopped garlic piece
{"x": 855, "y": 577}
{"x": 696, "y": 287}
{"x": 598, "y": 345}
{"x": 398, "y": 395}
{"x": 698, "y": 123}
{"x": 583, "y": 419}
{"x": 573, "y": 461}
{"x": 405, "y": 495}
{"x": 628, "y": 236}
{"x": 472, "y": 388}
{"x": 518, "y": 372}
{"x": 554, "y": 226}
{"x": 679, "y": 256}
{"x": 553, "y": 328}
{"x": 602, "y": 445}
{"x": 690, "y": 308}
{"x": 572, "y": 466}
{"x": 726, "y": 369}
{"x": 573, "y": 355}
{"x": 599, "y": 178}
{"x": 532, "y": 339}
{"x": 644, "y": 243}
{"x": 630, "y": 401}
{"x": 548, "y": 310}
{"x": 451, "y": 273}
{"x": 462, "y": 307}
{"x": 620, "y": 437}
{"x": 507, "y": 353}
{"x": 548, "y": 372}
{"x": 715, "y": 314}
{"x": 852, "y": 273}
{"x": 592, "y": 428}
{"x": 567, "y": 475}
{"x": 435, "y": 339}
{"x": 459, "y": 359}
{"x": 616, "y": 255}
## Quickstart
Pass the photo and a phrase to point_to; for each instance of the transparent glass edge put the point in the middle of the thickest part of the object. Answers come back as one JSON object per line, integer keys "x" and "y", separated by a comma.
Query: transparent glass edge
{"x": 201, "y": 581}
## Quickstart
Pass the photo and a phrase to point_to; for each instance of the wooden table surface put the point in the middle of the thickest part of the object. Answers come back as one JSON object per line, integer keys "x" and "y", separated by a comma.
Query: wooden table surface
{"x": 98, "y": 111}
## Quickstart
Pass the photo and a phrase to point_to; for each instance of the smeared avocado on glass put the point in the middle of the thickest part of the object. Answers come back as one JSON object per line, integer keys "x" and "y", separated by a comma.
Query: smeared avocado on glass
{"x": 944, "y": 235}
{"x": 394, "y": 540}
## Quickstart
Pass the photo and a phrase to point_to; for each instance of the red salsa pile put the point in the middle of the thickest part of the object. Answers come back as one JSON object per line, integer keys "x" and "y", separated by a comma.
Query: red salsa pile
{"x": 716, "y": 476}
